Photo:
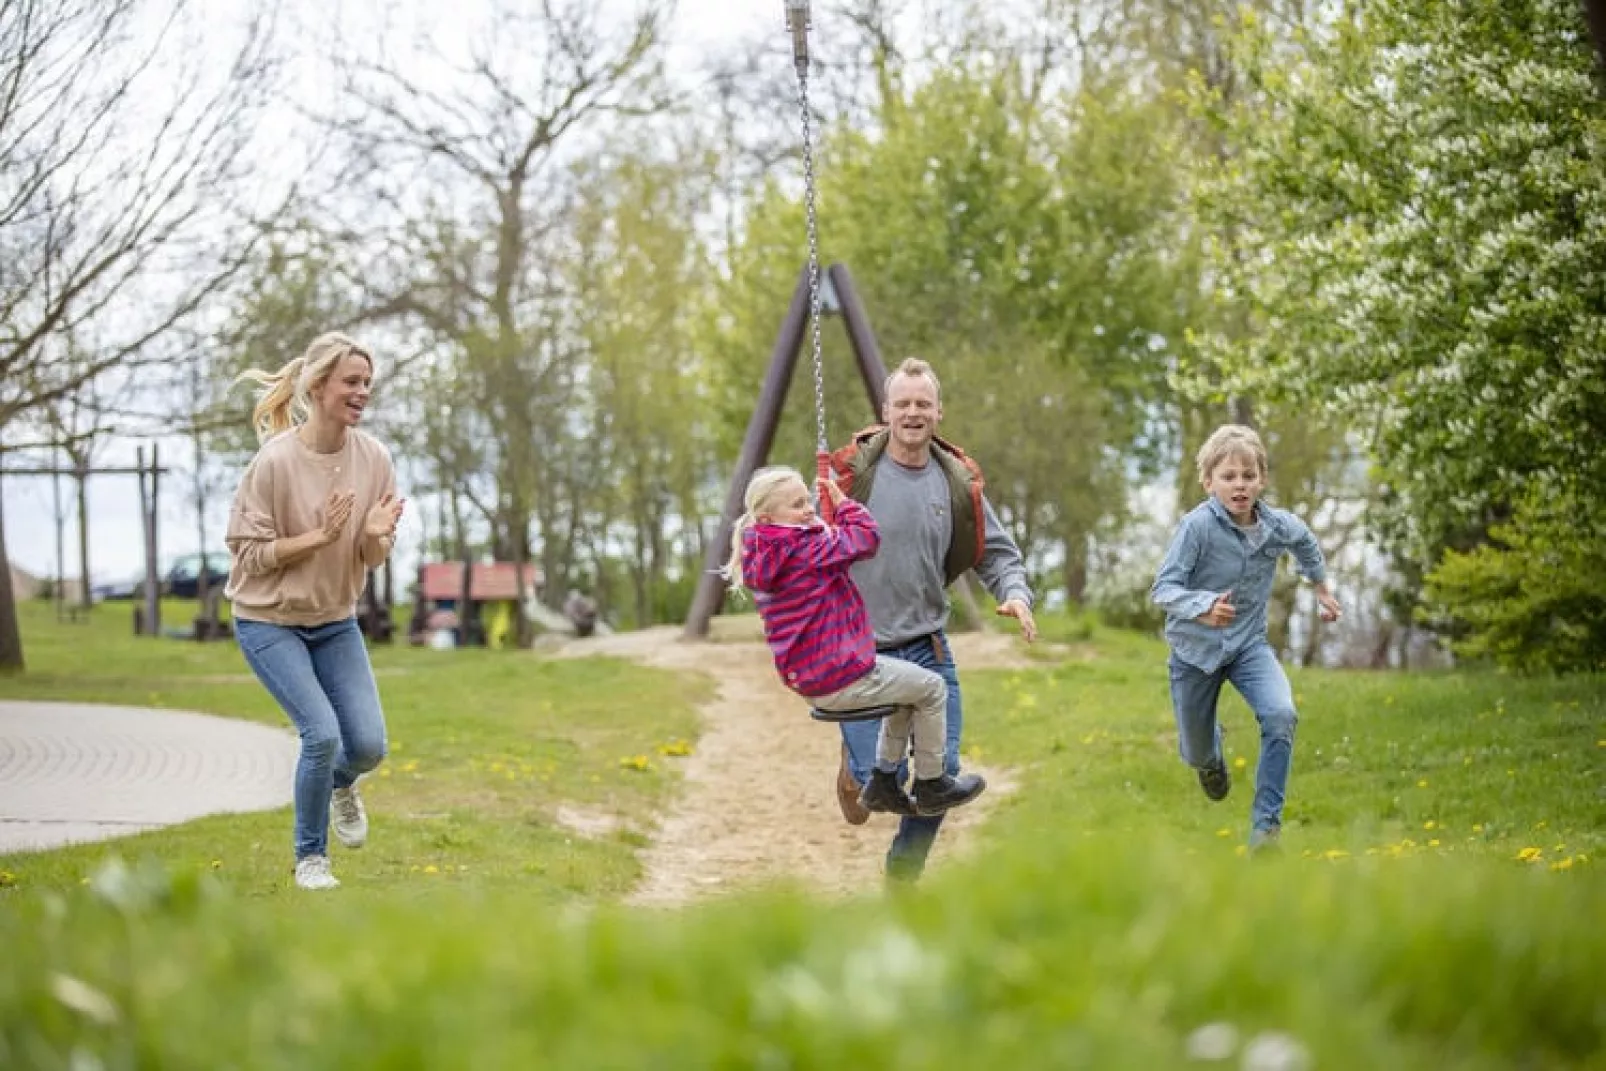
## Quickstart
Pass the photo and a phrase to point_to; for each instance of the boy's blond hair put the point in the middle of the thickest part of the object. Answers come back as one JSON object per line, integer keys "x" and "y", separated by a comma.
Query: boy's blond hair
{"x": 1227, "y": 440}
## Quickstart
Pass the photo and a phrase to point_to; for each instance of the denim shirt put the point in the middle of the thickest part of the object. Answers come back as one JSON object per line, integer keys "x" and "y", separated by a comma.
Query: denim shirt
{"x": 1210, "y": 555}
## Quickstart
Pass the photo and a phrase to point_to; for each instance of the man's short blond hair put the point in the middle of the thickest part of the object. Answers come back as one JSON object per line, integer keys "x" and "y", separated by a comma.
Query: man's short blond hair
{"x": 914, "y": 366}
{"x": 1228, "y": 440}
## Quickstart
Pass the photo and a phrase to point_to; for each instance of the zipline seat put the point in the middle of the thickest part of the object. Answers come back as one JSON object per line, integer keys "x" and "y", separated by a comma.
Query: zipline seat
{"x": 856, "y": 714}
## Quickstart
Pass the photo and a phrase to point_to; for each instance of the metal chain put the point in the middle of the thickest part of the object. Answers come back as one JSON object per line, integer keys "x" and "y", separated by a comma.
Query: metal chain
{"x": 823, "y": 445}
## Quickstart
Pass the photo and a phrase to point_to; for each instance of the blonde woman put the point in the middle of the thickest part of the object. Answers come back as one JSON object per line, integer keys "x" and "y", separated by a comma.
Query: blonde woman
{"x": 315, "y": 510}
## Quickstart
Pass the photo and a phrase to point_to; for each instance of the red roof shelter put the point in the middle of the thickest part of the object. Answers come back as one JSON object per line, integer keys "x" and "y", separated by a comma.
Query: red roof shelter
{"x": 490, "y": 581}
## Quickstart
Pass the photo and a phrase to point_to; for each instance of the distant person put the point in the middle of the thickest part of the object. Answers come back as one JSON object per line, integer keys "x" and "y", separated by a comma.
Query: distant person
{"x": 1214, "y": 585}
{"x": 581, "y": 610}
{"x": 316, "y": 509}
{"x": 819, "y": 634}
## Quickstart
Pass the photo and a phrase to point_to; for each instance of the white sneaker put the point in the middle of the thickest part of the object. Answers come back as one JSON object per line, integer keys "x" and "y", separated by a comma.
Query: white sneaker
{"x": 349, "y": 817}
{"x": 312, "y": 872}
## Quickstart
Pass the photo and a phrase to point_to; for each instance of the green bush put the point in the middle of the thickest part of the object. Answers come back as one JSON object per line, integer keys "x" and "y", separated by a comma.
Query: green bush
{"x": 1533, "y": 598}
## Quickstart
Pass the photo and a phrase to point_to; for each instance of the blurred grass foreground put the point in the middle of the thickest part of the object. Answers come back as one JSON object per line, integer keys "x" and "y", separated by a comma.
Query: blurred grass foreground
{"x": 1438, "y": 902}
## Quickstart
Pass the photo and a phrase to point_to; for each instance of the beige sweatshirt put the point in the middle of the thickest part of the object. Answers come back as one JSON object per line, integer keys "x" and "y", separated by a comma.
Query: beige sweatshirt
{"x": 281, "y": 495}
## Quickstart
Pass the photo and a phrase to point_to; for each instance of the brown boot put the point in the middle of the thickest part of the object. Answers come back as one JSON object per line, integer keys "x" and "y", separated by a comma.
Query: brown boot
{"x": 847, "y": 794}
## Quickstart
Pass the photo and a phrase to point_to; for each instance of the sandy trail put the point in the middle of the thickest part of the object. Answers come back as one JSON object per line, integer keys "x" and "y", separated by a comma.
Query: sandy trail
{"x": 729, "y": 829}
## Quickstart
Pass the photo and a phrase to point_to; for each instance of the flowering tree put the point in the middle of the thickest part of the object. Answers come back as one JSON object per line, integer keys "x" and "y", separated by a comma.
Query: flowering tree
{"x": 1411, "y": 222}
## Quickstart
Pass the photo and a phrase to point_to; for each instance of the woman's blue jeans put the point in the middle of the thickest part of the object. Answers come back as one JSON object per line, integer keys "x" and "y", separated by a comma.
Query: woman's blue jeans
{"x": 906, "y": 858}
{"x": 321, "y": 677}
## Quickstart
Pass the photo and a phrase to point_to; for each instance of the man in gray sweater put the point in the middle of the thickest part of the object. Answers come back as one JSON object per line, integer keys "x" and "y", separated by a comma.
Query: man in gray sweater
{"x": 926, "y": 496}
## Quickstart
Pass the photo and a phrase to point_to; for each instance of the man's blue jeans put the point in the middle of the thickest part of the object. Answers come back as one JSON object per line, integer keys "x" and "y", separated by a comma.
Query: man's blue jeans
{"x": 906, "y": 859}
{"x": 1260, "y": 679}
{"x": 321, "y": 677}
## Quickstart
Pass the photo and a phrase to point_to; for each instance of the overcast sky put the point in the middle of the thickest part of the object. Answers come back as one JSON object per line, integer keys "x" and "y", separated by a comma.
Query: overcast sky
{"x": 115, "y": 541}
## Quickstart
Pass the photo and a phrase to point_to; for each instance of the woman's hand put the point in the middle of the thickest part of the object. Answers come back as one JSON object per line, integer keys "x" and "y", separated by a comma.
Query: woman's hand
{"x": 383, "y": 518}
{"x": 336, "y": 514}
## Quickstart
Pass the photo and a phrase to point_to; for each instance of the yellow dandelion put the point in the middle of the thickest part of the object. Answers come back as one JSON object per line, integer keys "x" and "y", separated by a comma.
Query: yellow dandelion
{"x": 675, "y": 747}
{"x": 635, "y": 762}
{"x": 1562, "y": 864}
{"x": 1530, "y": 855}
{"x": 7, "y": 879}
{"x": 1430, "y": 824}
{"x": 1241, "y": 851}
{"x": 432, "y": 869}
{"x": 1240, "y": 762}
{"x": 1422, "y": 783}
{"x": 1335, "y": 853}
{"x": 1600, "y": 743}
{"x": 216, "y": 863}
{"x": 1434, "y": 843}
{"x": 1540, "y": 824}
{"x": 1477, "y": 829}
{"x": 1223, "y": 832}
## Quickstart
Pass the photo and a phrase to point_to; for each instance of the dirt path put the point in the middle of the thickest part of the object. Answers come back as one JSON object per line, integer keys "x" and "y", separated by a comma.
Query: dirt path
{"x": 731, "y": 829}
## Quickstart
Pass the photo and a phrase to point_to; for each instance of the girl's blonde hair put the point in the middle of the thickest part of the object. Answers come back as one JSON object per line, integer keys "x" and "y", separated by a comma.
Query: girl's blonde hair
{"x": 1227, "y": 440}
{"x": 286, "y": 399}
{"x": 762, "y": 490}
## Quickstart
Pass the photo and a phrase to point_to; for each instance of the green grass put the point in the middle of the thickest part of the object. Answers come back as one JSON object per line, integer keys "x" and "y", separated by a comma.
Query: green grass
{"x": 484, "y": 746}
{"x": 1106, "y": 916}
{"x": 1387, "y": 764}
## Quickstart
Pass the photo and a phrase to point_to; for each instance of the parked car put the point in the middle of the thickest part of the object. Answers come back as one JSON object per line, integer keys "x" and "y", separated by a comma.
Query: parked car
{"x": 117, "y": 589}
{"x": 182, "y": 579}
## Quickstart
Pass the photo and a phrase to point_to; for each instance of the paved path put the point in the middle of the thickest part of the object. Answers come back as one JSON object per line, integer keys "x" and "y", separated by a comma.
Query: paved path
{"x": 73, "y": 772}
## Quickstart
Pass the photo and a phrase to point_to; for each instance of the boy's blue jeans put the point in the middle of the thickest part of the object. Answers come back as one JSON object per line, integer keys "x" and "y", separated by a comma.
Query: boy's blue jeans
{"x": 1260, "y": 679}
{"x": 321, "y": 677}
{"x": 906, "y": 859}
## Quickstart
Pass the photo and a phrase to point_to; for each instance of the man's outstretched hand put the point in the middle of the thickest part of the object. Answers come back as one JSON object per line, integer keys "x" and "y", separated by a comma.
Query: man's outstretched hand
{"x": 1018, "y": 609}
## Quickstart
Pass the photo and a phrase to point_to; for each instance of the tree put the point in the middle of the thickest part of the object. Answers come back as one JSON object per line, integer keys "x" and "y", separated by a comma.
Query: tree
{"x": 1421, "y": 246}
{"x": 1021, "y": 240}
{"x": 117, "y": 161}
{"x": 465, "y": 167}
{"x": 638, "y": 262}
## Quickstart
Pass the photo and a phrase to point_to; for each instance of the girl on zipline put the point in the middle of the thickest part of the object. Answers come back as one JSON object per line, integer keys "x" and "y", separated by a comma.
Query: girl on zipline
{"x": 315, "y": 510}
{"x": 819, "y": 633}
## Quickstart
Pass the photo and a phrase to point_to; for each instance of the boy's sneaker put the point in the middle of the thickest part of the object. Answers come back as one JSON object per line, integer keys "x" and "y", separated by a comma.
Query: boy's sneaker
{"x": 847, "y": 793}
{"x": 933, "y": 795}
{"x": 312, "y": 872}
{"x": 883, "y": 793}
{"x": 1216, "y": 781}
{"x": 349, "y": 817}
{"x": 1265, "y": 839}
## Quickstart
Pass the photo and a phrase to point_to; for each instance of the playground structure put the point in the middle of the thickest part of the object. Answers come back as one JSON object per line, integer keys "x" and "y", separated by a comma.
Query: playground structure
{"x": 761, "y": 426}
{"x": 469, "y": 604}
{"x": 811, "y": 301}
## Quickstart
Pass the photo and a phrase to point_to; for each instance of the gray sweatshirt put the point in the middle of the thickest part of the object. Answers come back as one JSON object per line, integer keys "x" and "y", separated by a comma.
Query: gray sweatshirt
{"x": 903, "y": 584}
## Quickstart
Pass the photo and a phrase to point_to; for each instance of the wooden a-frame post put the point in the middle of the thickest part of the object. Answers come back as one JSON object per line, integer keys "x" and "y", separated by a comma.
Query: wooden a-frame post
{"x": 766, "y": 418}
